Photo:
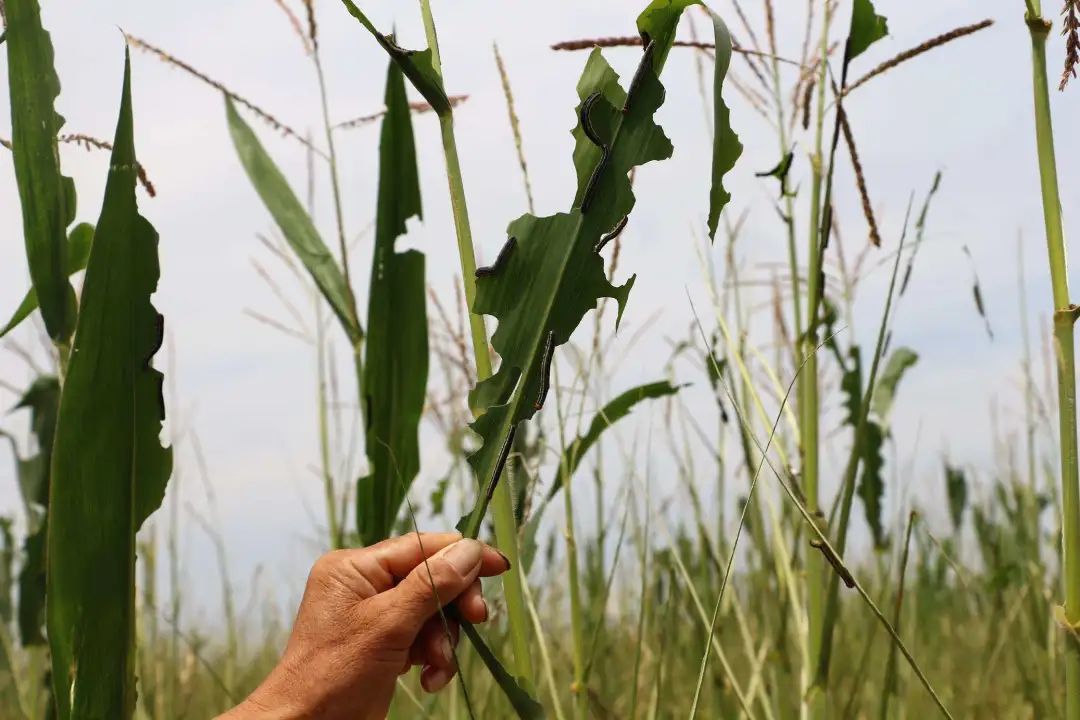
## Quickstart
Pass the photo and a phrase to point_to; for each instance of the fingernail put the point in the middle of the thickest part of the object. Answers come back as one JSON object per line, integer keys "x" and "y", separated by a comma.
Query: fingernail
{"x": 487, "y": 610}
{"x": 506, "y": 560}
{"x": 435, "y": 679}
{"x": 464, "y": 555}
{"x": 445, "y": 651}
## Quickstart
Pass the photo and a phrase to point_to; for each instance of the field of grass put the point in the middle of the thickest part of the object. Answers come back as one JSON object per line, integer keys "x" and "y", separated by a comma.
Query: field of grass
{"x": 738, "y": 535}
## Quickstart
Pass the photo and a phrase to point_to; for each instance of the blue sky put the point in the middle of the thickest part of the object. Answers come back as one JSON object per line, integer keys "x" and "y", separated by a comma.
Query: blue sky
{"x": 248, "y": 390}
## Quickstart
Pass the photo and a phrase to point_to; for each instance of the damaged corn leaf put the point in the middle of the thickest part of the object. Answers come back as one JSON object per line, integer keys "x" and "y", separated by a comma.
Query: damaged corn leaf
{"x": 396, "y": 351}
{"x": 78, "y": 252}
{"x": 867, "y": 27}
{"x": 726, "y": 146}
{"x": 108, "y": 469}
{"x": 47, "y": 197}
{"x": 417, "y": 65}
{"x": 550, "y": 272}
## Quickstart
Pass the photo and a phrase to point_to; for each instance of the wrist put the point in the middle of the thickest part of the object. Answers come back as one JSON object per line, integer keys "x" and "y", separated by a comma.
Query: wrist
{"x": 274, "y": 699}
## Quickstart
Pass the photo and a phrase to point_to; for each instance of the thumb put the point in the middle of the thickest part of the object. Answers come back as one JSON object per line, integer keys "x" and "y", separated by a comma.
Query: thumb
{"x": 430, "y": 585}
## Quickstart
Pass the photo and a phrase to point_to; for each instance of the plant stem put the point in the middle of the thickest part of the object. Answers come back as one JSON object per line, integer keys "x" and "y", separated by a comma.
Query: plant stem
{"x": 1064, "y": 320}
{"x": 579, "y": 690}
{"x": 502, "y": 505}
{"x": 808, "y": 389}
{"x": 337, "y": 539}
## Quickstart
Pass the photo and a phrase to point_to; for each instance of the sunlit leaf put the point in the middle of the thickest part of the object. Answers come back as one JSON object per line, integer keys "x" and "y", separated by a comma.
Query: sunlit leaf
{"x": 899, "y": 361}
{"x": 79, "y": 241}
{"x": 47, "y": 197}
{"x": 293, "y": 221}
{"x": 109, "y": 469}
{"x": 396, "y": 349}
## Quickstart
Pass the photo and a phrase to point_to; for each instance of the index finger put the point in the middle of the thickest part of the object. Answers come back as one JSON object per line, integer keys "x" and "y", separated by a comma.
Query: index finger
{"x": 398, "y": 556}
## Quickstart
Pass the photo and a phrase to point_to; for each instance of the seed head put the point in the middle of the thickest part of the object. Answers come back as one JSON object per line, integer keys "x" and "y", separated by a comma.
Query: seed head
{"x": 1071, "y": 31}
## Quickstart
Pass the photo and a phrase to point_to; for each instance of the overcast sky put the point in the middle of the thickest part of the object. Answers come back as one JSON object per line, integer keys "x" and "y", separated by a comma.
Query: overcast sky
{"x": 248, "y": 390}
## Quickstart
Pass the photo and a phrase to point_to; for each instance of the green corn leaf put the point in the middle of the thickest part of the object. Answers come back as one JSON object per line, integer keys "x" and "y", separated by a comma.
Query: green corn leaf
{"x": 871, "y": 488}
{"x": 43, "y": 400}
{"x": 109, "y": 469}
{"x": 867, "y": 27}
{"x": 956, "y": 490}
{"x": 525, "y": 707}
{"x": 851, "y": 385}
{"x": 868, "y": 443}
{"x": 396, "y": 350}
{"x": 416, "y": 64}
{"x": 610, "y": 414}
{"x": 899, "y": 361}
{"x": 47, "y": 197}
{"x": 7, "y": 572}
{"x": 293, "y": 221}
{"x": 79, "y": 240}
{"x": 726, "y": 145}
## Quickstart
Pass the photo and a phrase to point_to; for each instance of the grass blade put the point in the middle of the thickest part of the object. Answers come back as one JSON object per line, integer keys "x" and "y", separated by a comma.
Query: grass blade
{"x": 109, "y": 469}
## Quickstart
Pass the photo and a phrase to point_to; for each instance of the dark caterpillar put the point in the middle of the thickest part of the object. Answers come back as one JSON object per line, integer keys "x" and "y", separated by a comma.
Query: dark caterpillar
{"x": 838, "y": 566}
{"x": 639, "y": 74}
{"x": 500, "y": 261}
{"x": 545, "y": 370}
{"x": 604, "y": 240}
{"x": 590, "y": 133}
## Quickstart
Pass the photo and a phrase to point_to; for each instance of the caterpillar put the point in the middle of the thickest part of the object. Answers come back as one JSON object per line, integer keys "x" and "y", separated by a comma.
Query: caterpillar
{"x": 504, "y": 453}
{"x": 545, "y": 370}
{"x": 639, "y": 74}
{"x": 590, "y": 133}
{"x": 159, "y": 339}
{"x": 500, "y": 261}
{"x": 838, "y": 566}
{"x": 605, "y": 239}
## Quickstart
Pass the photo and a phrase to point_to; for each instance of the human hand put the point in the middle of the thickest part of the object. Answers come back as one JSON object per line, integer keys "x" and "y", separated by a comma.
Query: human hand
{"x": 366, "y": 617}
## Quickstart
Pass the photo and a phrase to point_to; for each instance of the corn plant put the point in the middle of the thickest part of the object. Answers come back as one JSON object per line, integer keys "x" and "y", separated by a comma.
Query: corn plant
{"x": 1065, "y": 314}
{"x": 102, "y": 470}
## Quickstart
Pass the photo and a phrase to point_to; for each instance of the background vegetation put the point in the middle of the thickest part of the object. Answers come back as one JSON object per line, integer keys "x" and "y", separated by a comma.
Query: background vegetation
{"x": 626, "y": 561}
